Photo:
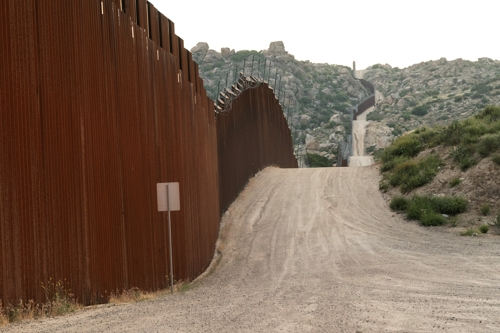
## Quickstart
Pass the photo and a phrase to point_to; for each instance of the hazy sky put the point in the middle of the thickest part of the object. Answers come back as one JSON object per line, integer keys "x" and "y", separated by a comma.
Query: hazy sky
{"x": 400, "y": 33}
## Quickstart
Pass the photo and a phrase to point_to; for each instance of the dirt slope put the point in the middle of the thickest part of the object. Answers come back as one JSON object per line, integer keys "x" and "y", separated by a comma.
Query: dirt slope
{"x": 317, "y": 250}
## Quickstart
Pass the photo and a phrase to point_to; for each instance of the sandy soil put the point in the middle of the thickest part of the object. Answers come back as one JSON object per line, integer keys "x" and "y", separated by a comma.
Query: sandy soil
{"x": 317, "y": 250}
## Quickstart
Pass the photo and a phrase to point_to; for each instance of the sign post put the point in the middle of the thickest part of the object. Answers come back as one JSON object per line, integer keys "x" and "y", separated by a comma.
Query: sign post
{"x": 169, "y": 200}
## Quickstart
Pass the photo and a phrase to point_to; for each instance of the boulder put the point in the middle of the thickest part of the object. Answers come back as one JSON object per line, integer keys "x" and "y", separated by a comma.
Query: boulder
{"x": 304, "y": 119}
{"x": 201, "y": 47}
{"x": 335, "y": 118}
{"x": 212, "y": 56}
{"x": 387, "y": 101}
{"x": 276, "y": 48}
{"x": 401, "y": 102}
{"x": 226, "y": 52}
{"x": 311, "y": 142}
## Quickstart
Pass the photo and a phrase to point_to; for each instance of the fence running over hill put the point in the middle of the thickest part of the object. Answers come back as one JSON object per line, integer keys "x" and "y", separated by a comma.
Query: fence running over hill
{"x": 344, "y": 150}
{"x": 247, "y": 133}
{"x": 99, "y": 102}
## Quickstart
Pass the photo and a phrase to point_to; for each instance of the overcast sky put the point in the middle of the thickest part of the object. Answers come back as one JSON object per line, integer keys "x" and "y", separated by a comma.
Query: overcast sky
{"x": 400, "y": 33}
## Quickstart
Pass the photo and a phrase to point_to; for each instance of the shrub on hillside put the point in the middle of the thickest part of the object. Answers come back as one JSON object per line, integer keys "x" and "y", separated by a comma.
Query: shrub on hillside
{"x": 487, "y": 144}
{"x": 412, "y": 174}
{"x": 432, "y": 219}
{"x": 317, "y": 161}
{"x": 420, "y": 110}
{"x": 399, "y": 203}
{"x": 418, "y": 206}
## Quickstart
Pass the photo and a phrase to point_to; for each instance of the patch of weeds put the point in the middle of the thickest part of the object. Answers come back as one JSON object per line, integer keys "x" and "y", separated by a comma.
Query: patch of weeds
{"x": 58, "y": 301}
{"x": 496, "y": 221}
{"x": 468, "y": 232}
{"x": 485, "y": 209}
{"x": 4, "y": 319}
{"x": 453, "y": 221}
{"x": 455, "y": 181}
{"x": 58, "y": 297}
{"x": 383, "y": 186}
{"x": 399, "y": 203}
{"x": 484, "y": 228}
{"x": 131, "y": 295}
{"x": 464, "y": 156}
{"x": 184, "y": 286}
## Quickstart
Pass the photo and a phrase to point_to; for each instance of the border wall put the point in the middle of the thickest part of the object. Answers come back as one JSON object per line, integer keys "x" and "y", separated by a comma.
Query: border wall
{"x": 253, "y": 134}
{"x": 100, "y": 101}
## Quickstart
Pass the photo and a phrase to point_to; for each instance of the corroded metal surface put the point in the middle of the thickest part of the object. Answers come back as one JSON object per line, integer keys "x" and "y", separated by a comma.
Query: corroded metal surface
{"x": 252, "y": 134}
{"x": 100, "y": 101}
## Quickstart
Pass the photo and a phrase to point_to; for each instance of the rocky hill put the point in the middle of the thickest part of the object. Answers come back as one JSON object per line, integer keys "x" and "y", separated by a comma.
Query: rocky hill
{"x": 317, "y": 98}
{"x": 429, "y": 93}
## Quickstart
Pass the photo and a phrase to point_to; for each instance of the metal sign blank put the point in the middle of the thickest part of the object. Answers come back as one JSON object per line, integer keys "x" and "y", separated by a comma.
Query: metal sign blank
{"x": 173, "y": 202}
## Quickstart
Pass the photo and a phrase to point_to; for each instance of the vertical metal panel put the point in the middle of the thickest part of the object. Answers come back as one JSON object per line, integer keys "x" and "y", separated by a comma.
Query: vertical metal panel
{"x": 254, "y": 134}
{"x": 94, "y": 113}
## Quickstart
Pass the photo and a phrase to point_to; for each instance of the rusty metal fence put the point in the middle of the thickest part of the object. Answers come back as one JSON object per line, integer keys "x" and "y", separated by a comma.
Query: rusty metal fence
{"x": 99, "y": 101}
{"x": 252, "y": 133}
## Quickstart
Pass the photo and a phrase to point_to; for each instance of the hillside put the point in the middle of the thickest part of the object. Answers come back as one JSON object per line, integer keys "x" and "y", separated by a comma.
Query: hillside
{"x": 317, "y": 98}
{"x": 458, "y": 164}
{"x": 429, "y": 93}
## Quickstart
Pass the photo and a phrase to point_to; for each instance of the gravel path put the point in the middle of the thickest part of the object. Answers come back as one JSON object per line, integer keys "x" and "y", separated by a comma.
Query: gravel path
{"x": 317, "y": 250}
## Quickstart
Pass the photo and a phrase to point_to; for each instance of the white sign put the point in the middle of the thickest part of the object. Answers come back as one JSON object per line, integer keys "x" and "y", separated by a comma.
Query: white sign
{"x": 168, "y": 197}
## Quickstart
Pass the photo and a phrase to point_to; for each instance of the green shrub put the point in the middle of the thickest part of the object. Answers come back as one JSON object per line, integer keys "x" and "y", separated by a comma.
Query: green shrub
{"x": 419, "y": 205}
{"x": 490, "y": 114}
{"x": 455, "y": 181}
{"x": 390, "y": 164}
{"x": 317, "y": 161}
{"x": 420, "y": 110}
{"x": 408, "y": 145}
{"x": 432, "y": 219}
{"x": 449, "y": 205}
{"x": 488, "y": 143}
{"x": 485, "y": 209}
{"x": 453, "y": 221}
{"x": 412, "y": 174}
{"x": 496, "y": 158}
{"x": 399, "y": 203}
{"x": 464, "y": 156}
{"x": 484, "y": 228}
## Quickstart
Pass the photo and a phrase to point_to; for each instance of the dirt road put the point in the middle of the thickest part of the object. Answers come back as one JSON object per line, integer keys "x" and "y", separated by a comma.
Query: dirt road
{"x": 317, "y": 250}
{"x": 359, "y": 157}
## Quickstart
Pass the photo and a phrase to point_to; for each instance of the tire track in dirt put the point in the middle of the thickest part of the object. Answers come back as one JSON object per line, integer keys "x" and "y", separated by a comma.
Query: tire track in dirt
{"x": 318, "y": 250}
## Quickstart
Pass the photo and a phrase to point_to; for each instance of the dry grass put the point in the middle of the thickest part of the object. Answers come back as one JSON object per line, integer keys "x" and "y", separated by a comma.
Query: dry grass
{"x": 59, "y": 301}
{"x": 4, "y": 320}
{"x": 132, "y": 295}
